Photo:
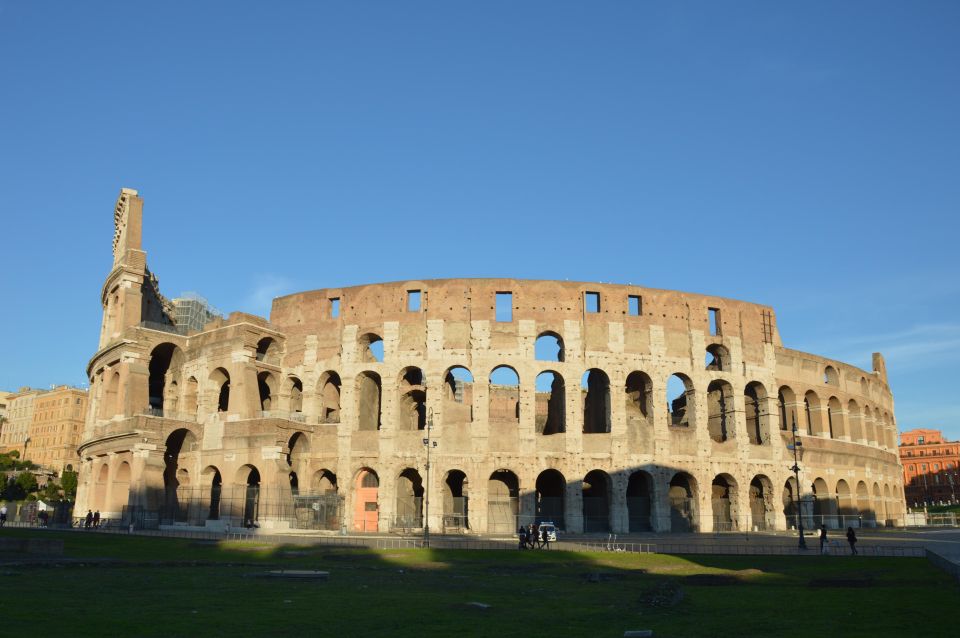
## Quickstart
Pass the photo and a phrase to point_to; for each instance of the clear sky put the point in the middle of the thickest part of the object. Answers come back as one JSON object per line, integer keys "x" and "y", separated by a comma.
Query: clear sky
{"x": 803, "y": 155}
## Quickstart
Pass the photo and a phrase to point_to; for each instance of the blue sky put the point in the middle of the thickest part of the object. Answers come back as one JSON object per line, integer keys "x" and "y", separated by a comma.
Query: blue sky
{"x": 803, "y": 155}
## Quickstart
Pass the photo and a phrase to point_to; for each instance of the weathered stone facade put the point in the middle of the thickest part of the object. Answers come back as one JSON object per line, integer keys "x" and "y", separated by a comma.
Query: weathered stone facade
{"x": 305, "y": 403}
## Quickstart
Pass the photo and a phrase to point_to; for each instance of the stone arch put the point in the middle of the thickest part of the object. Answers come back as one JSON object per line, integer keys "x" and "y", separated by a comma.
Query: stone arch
{"x": 219, "y": 382}
{"x": 595, "y": 492}
{"x": 248, "y": 478}
{"x": 504, "y": 395}
{"x": 879, "y": 505}
{"x": 869, "y": 426}
{"x": 761, "y": 503}
{"x": 889, "y": 505}
{"x": 811, "y": 406}
{"x": 638, "y": 394}
{"x": 835, "y": 424}
{"x": 110, "y": 405}
{"x": 791, "y": 502}
{"x": 100, "y": 487}
{"x": 179, "y": 442}
{"x": 639, "y": 497}
{"x": 787, "y": 409}
{"x": 370, "y": 347}
{"x": 268, "y": 351}
{"x": 328, "y": 397}
{"x": 551, "y": 489}
{"x": 369, "y": 393}
{"x": 845, "y": 505}
{"x": 457, "y": 400}
{"x": 166, "y": 360}
{"x": 720, "y": 411}
{"x": 863, "y": 505}
{"x": 267, "y": 388}
{"x": 191, "y": 397}
{"x": 856, "y": 422}
{"x": 680, "y": 400}
{"x": 409, "y": 504}
{"x": 723, "y": 498}
{"x": 595, "y": 390}
{"x": 324, "y": 481}
{"x": 551, "y": 404}
{"x": 718, "y": 358}
{"x": 503, "y": 502}
{"x": 212, "y": 482}
{"x": 298, "y": 450}
{"x": 412, "y": 399}
{"x": 682, "y": 494}
{"x": 366, "y": 506}
{"x": 120, "y": 487}
{"x": 295, "y": 390}
{"x": 548, "y": 347}
{"x": 831, "y": 376}
{"x": 455, "y": 510}
{"x": 824, "y": 506}
{"x": 757, "y": 417}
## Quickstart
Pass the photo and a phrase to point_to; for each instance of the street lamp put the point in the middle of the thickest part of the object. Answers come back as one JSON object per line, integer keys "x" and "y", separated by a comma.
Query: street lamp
{"x": 802, "y": 544}
{"x": 428, "y": 444}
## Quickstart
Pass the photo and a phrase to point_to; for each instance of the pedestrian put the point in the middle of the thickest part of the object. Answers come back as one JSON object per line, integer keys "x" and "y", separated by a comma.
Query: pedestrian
{"x": 96, "y": 519}
{"x": 536, "y": 536}
{"x": 544, "y": 538}
{"x": 522, "y": 533}
{"x": 531, "y": 539}
{"x": 3, "y": 515}
{"x": 88, "y": 520}
{"x": 823, "y": 537}
{"x": 852, "y": 539}
{"x": 43, "y": 518}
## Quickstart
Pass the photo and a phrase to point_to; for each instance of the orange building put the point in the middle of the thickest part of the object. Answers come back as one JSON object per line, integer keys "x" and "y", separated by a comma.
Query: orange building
{"x": 56, "y": 428}
{"x": 931, "y": 467}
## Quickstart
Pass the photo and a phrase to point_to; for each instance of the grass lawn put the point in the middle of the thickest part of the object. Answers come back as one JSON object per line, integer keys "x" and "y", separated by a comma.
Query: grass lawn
{"x": 174, "y": 587}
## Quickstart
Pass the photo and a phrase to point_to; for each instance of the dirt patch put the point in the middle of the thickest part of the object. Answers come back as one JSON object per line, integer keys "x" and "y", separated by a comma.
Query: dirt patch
{"x": 664, "y": 593}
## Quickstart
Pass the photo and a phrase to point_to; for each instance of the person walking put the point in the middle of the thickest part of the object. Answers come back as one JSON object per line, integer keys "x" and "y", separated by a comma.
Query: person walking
{"x": 522, "y": 533}
{"x": 823, "y": 537}
{"x": 544, "y": 538}
{"x": 96, "y": 519}
{"x": 852, "y": 539}
{"x": 531, "y": 538}
{"x": 3, "y": 515}
{"x": 88, "y": 520}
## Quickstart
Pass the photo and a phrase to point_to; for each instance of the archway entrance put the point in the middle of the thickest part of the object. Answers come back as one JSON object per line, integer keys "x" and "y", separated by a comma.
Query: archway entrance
{"x": 409, "y": 512}
{"x": 683, "y": 503}
{"x": 455, "y": 501}
{"x": 638, "y": 502}
{"x": 503, "y": 507}
{"x": 551, "y": 487}
{"x": 596, "y": 502}
{"x": 366, "y": 512}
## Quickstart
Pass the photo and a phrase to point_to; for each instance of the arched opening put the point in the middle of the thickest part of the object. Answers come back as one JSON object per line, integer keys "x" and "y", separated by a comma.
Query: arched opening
{"x": 164, "y": 367}
{"x": 328, "y": 393}
{"x": 596, "y": 502}
{"x": 720, "y": 411}
{"x": 295, "y": 387}
{"x": 845, "y": 507}
{"x": 368, "y": 401}
{"x": 879, "y": 506}
{"x": 220, "y": 383}
{"x": 370, "y": 347}
{"x": 682, "y": 495}
{"x": 267, "y": 387}
{"x": 298, "y": 450}
{"x": 100, "y": 487}
{"x": 213, "y": 483}
{"x": 830, "y": 376}
{"x": 325, "y": 482}
{"x": 550, "y": 403}
{"x": 811, "y": 407}
{"x": 548, "y": 347}
{"x": 889, "y": 505}
{"x": 120, "y": 490}
{"x": 455, "y": 513}
{"x": 639, "y": 397}
{"x": 823, "y": 504}
{"x": 679, "y": 400}
{"x": 639, "y": 493}
{"x": 856, "y": 422}
{"x": 412, "y": 407}
{"x": 249, "y": 477}
{"x": 869, "y": 426}
{"x": 366, "y": 513}
{"x": 717, "y": 358}
{"x": 835, "y": 419}
{"x": 294, "y": 483}
{"x": 863, "y": 505}
{"x": 504, "y": 395}
{"x": 110, "y": 405}
{"x": 722, "y": 498}
{"x": 409, "y": 510}
{"x": 595, "y": 392}
{"x": 551, "y": 489}
{"x": 791, "y": 500}
{"x": 457, "y": 396}
{"x": 761, "y": 503}
{"x": 503, "y": 507}
{"x": 268, "y": 351}
{"x": 755, "y": 402}
{"x": 787, "y": 409}
{"x": 179, "y": 442}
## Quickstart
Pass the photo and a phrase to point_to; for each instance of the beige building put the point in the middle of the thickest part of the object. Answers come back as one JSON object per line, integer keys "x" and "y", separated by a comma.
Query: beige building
{"x": 19, "y": 417}
{"x": 605, "y": 408}
{"x": 4, "y": 400}
{"x": 56, "y": 428}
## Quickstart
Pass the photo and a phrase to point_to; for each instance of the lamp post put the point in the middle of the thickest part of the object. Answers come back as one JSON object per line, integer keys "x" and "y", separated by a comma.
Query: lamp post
{"x": 426, "y": 496}
{"x": 802, "y": 544}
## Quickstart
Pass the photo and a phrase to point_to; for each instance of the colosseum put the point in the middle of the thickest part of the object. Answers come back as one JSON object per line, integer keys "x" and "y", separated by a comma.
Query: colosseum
{"x": 473, "y": 406}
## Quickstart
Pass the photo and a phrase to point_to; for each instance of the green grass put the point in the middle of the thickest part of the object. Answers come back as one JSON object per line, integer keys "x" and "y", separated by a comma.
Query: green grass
{"x": 174, "y": 587}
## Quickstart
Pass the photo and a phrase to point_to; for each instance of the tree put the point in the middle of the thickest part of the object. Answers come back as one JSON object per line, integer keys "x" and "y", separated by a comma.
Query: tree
{"x": 68, "y": 482}
{"x": 27, "y": 482}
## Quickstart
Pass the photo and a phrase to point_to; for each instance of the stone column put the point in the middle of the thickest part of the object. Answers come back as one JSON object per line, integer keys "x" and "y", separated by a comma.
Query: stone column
{"x": 573, "y": 506}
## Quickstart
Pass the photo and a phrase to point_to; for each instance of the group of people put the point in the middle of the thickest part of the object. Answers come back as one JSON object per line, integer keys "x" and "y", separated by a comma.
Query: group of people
{"x": 851, "y": 538}
{"x": 92, "y": 519}
{"x": 532, "y": 537}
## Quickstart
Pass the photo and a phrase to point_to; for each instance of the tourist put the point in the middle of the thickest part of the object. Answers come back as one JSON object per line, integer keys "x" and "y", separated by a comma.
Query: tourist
{"x": 43, "y": 516}
{"x": 3, "y": 515}
{"x": 522, "y": 533}
{"x": 852, "y": 539}
{"x": 531, "y": 537}
{"x": 88, "y": 520}
{"x": 823, "y": 538}
{"x": 96, "y": 519}
{"x": 544, "y": 538}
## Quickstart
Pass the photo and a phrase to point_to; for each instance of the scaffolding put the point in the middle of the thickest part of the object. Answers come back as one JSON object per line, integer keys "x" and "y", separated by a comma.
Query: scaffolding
{"x": 193, "y": 312}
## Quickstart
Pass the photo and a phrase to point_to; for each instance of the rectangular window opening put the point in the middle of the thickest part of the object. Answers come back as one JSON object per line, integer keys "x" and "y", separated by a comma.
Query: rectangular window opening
{"x": 504, "y": 306}
{"x": 715, "y": 321}
{"x": 413, "y": 301}
{"x": 635, "y": 305}
{"x": 592, "y": 302}
{"x": 335, "y": 307}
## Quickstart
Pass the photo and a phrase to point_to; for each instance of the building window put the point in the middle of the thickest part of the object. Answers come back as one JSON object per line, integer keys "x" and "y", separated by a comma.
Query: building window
{"x": 714, "y": 316}
{"x": 504, "y": 307}
{"x": 919, "y": 440}
{"x": 592, "y": 302}
{"x": 413, "y": 301}
{"x": 634, "y": 305}
{"x": 335, "y": 307}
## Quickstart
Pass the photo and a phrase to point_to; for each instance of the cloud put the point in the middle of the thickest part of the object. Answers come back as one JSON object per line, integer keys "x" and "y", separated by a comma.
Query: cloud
{"x": 920, "y": 346}
{"x": 264, "y": 288}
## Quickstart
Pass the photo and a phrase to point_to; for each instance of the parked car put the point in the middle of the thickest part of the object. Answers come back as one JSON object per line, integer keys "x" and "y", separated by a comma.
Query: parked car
{"x": 551, "y": 531}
